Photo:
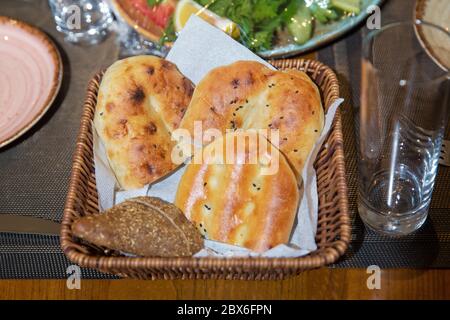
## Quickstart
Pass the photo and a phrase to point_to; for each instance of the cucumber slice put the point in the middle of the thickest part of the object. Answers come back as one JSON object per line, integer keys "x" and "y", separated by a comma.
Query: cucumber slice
{"x": 331, "y": 14}
{"x": 353, "y": 6}
{"x": 301, "y": 25}
{"x": 319, "y": 13}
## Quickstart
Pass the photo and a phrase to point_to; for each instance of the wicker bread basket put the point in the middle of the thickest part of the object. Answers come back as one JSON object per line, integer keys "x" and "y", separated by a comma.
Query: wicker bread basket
{"x": 333, "y": 230}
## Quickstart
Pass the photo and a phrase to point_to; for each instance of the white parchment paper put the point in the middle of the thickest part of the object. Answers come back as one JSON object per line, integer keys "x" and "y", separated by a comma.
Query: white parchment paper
{"x": 199, "y": 48}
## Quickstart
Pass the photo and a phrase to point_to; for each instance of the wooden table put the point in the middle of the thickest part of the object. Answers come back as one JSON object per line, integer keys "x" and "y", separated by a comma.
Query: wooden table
{"x": 317, "y": 284}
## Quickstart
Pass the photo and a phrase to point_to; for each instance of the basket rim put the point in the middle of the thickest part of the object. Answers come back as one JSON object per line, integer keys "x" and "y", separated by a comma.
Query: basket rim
{"x": 315, "y": 259}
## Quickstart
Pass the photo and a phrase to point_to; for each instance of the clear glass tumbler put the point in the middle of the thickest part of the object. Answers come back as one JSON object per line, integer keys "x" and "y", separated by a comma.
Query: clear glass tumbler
{"x": 82, "y": 21}
{"x": 404, "y": 110}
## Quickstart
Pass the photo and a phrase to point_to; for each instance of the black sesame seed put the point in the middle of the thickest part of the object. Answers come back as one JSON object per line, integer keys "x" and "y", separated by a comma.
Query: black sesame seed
{"x": 281, "y": 118}
{"x": 208, "y": 208}
{"x": 267, "y": 105}
{"x": 246, "y": 101}
{"x": 101, "y": 113}
{"x": 316, "y": 130}
{"x": 254, "y": 185}
{"x": 313, "y": 112}
{"x": 205, "y": 231}
{"x": 258, "y": 189}
{"x": 296, "y": 91}
{"x": 234, "y": 114}
{"x": 295, "y": 150}
{"x": 205, "y": 184}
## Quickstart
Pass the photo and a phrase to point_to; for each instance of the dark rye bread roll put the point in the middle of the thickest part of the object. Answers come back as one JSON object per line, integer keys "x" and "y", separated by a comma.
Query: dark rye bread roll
{"x": 248, "y": 95}
{"x": 141, "y": 100}
{"x": 143, "y": 226}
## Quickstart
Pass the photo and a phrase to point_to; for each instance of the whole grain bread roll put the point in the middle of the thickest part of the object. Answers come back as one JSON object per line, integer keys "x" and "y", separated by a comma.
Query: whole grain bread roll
{"x": 141, "y": 100}
{"x": 247, "y": 94}
{"x": 233, "y": 202}
{"x": 143, "y": 226}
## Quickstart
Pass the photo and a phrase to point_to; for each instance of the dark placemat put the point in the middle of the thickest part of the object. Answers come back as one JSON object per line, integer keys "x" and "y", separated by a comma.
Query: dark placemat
{"x": 34, "y": 171}
{"x": 430, "y": 246}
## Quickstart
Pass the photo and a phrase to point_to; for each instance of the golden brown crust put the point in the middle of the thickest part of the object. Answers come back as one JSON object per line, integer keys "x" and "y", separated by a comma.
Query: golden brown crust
{"x": 235, "y": 203}
{"x": 141, "y": 101}
{"x": 143, "y": 226}
{"x": 247, "y": 94}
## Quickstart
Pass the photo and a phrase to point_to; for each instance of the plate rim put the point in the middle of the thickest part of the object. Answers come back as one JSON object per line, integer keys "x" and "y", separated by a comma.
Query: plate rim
{"x": 57, "y": 74}
{"x": 419, "y": 9}
{"x": 419, "y": 12}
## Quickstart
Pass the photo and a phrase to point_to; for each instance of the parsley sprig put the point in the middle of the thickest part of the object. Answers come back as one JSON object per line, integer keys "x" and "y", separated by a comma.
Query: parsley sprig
{"x": 152, "y": 3}
{"x": 258, "y": 19}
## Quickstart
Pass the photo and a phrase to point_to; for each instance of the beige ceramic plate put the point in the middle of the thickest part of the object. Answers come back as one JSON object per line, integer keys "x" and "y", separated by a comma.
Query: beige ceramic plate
{"x": 436, "y": 12}
{"x": 30, "y": 77}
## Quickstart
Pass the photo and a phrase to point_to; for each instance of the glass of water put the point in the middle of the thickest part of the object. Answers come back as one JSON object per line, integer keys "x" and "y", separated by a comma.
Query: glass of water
{"x": 404, "y": 110}
{"x": 82, "y": 21}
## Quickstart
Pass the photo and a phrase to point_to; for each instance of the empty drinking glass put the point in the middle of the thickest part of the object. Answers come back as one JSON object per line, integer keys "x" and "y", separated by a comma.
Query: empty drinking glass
{"x": 404, "y": 109}
{"x": 82, "y": 21}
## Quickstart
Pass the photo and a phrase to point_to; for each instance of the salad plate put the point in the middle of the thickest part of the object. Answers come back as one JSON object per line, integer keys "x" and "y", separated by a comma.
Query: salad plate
{"x": 324, "y": 33}
{"x": 271, "y": 28}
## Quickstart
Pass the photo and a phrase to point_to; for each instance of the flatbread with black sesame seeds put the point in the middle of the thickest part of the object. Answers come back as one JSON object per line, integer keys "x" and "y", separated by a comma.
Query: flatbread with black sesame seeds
{"x": 141, "y": 100}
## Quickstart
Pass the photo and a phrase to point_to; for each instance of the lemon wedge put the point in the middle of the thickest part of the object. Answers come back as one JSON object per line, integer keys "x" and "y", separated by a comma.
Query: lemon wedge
{"x": 186, "y": 8}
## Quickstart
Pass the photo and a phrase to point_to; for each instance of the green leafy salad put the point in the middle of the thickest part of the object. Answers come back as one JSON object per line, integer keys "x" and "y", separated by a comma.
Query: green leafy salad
{"x": 263, "y": 22}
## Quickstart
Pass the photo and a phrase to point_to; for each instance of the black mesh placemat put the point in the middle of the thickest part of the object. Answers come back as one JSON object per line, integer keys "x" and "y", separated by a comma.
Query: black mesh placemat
{"x": 34, "y": 171}
{"x": 430, "y": 246}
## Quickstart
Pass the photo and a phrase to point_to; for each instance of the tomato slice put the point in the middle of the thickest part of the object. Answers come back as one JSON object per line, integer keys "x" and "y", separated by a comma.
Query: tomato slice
{"x": 159, "y": 14}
